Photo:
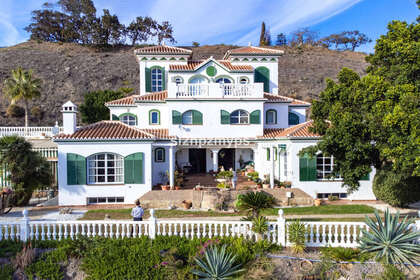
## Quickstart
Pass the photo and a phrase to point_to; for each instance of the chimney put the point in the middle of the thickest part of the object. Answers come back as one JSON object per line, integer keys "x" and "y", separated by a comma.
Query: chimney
{"x": 69, "y": 111}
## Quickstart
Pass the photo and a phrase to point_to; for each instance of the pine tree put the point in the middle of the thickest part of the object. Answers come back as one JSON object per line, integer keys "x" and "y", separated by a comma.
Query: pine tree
{"x": 262, "y": 35}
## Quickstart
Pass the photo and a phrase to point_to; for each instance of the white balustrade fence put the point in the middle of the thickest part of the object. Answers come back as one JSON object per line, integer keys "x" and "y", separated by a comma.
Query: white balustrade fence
{"x": 216, "y": 90}
{"x": 319, "y": 234}
{"x": 30, "y": 131}
{"x": 49, "y": 153}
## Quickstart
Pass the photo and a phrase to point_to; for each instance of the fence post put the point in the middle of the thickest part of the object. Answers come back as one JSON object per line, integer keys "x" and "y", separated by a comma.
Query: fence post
{"x": 24, "y": 226}
{"x": 152, "y": 224}
{"x": 281, "y": 228}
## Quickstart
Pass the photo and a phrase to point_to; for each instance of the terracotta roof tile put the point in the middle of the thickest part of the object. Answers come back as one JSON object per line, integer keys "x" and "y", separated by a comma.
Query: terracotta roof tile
{"x": 193, "y": 65}
{"x": 296, "y": 131}
{"x": 159, "y": 133}
{"x": 162, "y": 50}
{"x": 251, "y": 50}
{"x": 281, "y": 98}
{"x": 105, "y": 130}
{"x": 153, "y": 96}
{"x": 129, "y": 100}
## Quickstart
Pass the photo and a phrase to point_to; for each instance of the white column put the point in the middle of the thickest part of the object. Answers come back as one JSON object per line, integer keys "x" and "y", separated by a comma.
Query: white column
{"x": 272, "y": 167}
{"x": 215, "y": 153}
{"x": 171, "y": 166}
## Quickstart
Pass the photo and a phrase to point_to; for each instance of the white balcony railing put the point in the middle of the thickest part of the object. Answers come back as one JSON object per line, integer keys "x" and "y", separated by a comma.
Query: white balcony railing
{"x": 215, "y": 90}
{"x": 31, "y": 131}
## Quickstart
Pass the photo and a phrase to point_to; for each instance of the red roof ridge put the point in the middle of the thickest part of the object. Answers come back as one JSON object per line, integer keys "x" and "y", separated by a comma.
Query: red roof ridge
{"x": 252, "y": 50}
{"x": 162, "y": 49}
{"x": 294, "y": 101}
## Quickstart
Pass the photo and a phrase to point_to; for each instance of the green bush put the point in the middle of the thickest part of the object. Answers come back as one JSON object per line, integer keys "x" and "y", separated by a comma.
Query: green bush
{"x": 396, "y": 189}
{"x": 48, "y": 265}
{"x": 9, "y": 248}
{"x": 341, "y": 254}
{"x": 6, "y": 272}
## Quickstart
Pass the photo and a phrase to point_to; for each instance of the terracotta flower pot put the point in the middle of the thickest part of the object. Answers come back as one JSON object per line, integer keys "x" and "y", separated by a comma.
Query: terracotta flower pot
{"x": 177, "y": 188}
{"x": 317, "y": 202}
{"x": 165, "y": 188}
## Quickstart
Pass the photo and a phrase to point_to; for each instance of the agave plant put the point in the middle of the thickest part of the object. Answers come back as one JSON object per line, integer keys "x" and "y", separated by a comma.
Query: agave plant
{"x": 217, "y": 264}
{"x": 296, "y": 233}
{"x": 260, "y": 226}
{"x": 254, "y": 202}
{"x": 391, "y": 240}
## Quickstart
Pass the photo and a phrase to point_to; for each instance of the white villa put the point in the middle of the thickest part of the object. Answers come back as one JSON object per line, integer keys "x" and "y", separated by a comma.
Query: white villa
{"x": 197, "y": 116}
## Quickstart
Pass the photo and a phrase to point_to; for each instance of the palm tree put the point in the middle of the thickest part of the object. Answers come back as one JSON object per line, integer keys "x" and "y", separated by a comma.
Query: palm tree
{"x": 22, "y": 86}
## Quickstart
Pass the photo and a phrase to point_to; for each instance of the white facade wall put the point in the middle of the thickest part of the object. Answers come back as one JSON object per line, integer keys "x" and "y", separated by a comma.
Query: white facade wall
{"x": 77, "y": 194}
{"x": 212, "y": 126}
{"x": 282, "y": 110}
{"x": 263, "y": 166}
{"x": 142, "y": 112}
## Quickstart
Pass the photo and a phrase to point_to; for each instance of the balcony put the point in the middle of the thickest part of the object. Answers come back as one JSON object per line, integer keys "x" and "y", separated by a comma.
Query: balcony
{"x": 215, "y": 90}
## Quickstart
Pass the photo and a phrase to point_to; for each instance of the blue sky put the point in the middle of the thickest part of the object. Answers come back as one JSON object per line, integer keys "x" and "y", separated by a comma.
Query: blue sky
{"x": 233, "y": 21}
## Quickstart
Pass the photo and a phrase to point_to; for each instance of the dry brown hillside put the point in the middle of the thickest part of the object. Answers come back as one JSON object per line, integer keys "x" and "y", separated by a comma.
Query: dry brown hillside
{"x": 68, "y": 71}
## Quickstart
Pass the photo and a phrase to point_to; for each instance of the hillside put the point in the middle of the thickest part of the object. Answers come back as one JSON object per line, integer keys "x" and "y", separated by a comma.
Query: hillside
{"x": 68, "y": 71}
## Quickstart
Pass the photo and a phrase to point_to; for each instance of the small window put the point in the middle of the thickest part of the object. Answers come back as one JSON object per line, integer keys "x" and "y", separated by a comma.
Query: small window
{"x": 243, "y": 80}
{"x": 128, "y": 119}
{"x": 239, "y": 117}
{"x": 159, "y": 155}
{"x": 178, "y": 80}
{"x": 293, "y": 118}
{"x": 271, "y": 117}
{"x": 324, "y": 167}
{"x": 157, "y": 79}
{"x": 154, "y": 117}
{"x": 95, "y": 200}
{"x": 120, "y": 199}
{"x": 187, "y": 117}
{"x": 223, "y": 81}
{"x": 105, "y": 168}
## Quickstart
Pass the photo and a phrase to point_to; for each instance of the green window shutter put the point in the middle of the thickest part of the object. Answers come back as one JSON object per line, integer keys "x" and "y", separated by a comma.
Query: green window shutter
{"x": 115, "y": 117}
{"x": 293, "y": 118}
{"x": 365, "y": 178}
{"x": 255, "y": 117}
{"x": 275, "y": 153}
{"x": 307, "y": 168}
{"x": 148, "y": 79}
{"x": 176, "y": 117}
{"x": 224, "y": 117}
{"x": 197, "y": 117}
{"x": 76, "y": 169}
{"x": 163, "y": 78}
{"x": 133, "y": 169}
{"x": 262, "y": 75}
{"x": 268, "y": 153}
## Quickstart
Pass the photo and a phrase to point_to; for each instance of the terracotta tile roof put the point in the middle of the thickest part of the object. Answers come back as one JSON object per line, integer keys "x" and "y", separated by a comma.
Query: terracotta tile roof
{"x": 253, "y": 51}
{"x": 280, "y": 98}
{"x": 296, "y": 131}
{"x": 159, "y": 133}
{"x": 113, "y": 130}
{"x": 194, "y": 65}
{"x": 131, "y": 100}
{"x": 153, "y": 96}
{"x": 162, "y": 50}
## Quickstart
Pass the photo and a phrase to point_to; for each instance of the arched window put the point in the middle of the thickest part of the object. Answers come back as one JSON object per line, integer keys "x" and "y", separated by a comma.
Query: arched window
{"x": 129, "y": 119}
{"x": 271, "y": 116}
{"x": 178, "y": 80}
{"x": 154, "y": 117}
{"x": 157, "y": 79}
{"x": 243, "y": 80}
{"x": 159, "y": 155}
{"x": 192, "y": 117}
{"x": 324, "y": 166}
{"x": 262, "y": 75}
{"x": 198, "y": 79}
{"x": 224, "y": 80}
{"x": 105, "y": 168}
{"x": 293, "y": 118}
{"x": 239, "y": 117}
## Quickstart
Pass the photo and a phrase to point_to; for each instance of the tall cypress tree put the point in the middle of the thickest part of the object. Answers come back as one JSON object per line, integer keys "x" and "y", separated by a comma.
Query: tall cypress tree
{"x": 262, "y": 35}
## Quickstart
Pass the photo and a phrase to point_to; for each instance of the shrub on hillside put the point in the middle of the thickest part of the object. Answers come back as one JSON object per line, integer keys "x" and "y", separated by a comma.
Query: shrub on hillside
{"x": 396, "y": 189}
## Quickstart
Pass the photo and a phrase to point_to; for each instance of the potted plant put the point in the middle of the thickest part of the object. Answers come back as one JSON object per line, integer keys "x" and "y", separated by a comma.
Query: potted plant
{"x": 198, "y": 187}
{"x": 266, "y": 182}
{"x": 224, "y": 176}
{"x": 223, "y": 186}
{"x": 287, "y": 184}
{"x": 186, "y": 204}
{"x": 164, "y": 178}
{"x": 259, "y": 185}
{"x": 179, "y": 180}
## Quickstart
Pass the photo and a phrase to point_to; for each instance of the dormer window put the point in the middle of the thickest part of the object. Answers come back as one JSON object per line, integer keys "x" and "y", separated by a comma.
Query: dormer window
{"x": 128, "y": 119}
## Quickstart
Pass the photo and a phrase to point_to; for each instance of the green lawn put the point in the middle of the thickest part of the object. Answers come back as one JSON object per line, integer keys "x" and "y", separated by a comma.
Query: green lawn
{"x": 99, "y": 214}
